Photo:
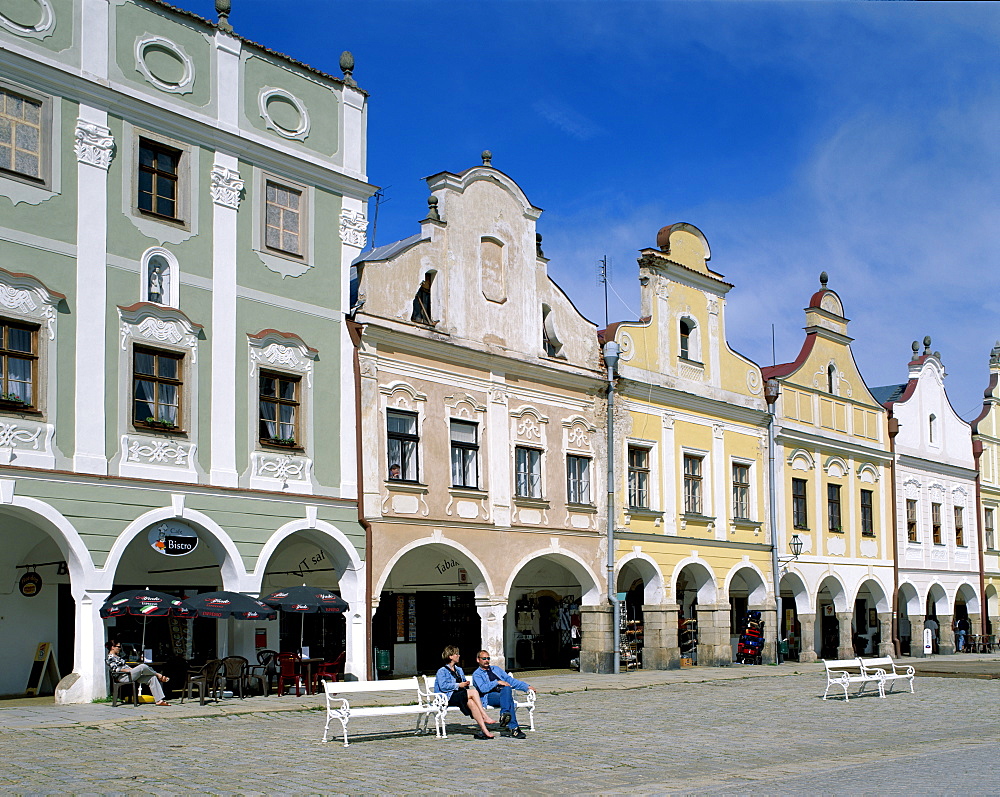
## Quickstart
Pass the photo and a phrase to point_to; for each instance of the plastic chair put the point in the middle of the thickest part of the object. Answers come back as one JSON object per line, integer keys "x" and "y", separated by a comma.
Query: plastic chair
{"x": 288, "y": 671}
{"x": 329, "y": 670}
{"x": 123, "y": 680}
{"x": 233, "y": 670}
{"x": 264, "y": 671}
{"x": 204, "y": 679}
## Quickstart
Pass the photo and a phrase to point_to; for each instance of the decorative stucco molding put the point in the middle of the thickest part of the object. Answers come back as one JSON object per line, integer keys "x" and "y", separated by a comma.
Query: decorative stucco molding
{"x": 353, "y": 227}
{"x": 157, "y": 451}
{"x": 27, "y": 443}
{"x": 283, "y": 350}
{"x": 147, "y": 42}
{"x": 301, "y": 131}
{"x": 158, "y": 324}
{"x": 26, "y": 296}
{"x": 227, "y": 187}
{"x": 94, "y": 144}
{"x": 45, "y": 26}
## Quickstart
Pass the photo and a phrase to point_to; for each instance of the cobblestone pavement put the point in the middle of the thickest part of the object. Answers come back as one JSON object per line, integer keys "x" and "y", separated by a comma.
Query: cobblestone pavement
{"x": 754, "y": 730}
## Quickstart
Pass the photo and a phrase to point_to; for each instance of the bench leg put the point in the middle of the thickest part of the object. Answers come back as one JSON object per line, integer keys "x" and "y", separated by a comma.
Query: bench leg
{"x": 343, "y": 722}
{"x": 531, "y": 717}
{"x": 326, "y": 730}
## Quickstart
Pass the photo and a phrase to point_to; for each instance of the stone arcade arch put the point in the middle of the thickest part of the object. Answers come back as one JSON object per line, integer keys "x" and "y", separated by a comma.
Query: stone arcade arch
{"x": 872, "y": 624}
{"x": 910, "y": 622}
{"x": 746, "y": 588}
{"x": 136, "y": 562}
{"x": 318, "y": 554}
{"x": 833, "y": 620}
{"x": 938, "y": 607}
{"x": 432, "y": 593}
{"x": 32, "y": 532}
{"x": 992, "y": 609}
{"x": 797, "y": 623}
{"x": 646, "y": 619}
{"x": 703, "y": 623}
{"x": 967, "y": 607}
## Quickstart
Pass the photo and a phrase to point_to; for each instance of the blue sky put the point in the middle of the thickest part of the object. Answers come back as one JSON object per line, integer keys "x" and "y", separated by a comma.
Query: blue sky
{"x": 858, "y": 138}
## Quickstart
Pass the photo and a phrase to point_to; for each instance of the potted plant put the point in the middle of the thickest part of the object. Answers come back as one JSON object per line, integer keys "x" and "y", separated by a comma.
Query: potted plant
{"x": 12, "y": 398}
{"x": 160, "y": 424}
{"x": 282, "y": 441}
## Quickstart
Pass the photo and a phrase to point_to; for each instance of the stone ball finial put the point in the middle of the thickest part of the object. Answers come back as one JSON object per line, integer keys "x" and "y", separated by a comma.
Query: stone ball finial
{"x": 432, "y": 209}
{"x": 915, "y": 347}
{"x": 927, "y": 344}
{"x": 347, "y": 67}
{"x": 487, "y": 157}
{"x": 937, "y": 354}
{"x": 222, "y": 8}
{"x": 824, "y": 278}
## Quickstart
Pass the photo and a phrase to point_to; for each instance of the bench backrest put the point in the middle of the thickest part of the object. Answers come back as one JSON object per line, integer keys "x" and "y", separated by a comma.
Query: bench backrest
{"x": 882, "y": 661}
{"x": 360, "y": 687}
{"x": 842, "y": 664}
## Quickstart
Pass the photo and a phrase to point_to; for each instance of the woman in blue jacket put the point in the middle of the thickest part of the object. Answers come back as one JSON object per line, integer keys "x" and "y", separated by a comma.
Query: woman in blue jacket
{"x": 451, "y": 681}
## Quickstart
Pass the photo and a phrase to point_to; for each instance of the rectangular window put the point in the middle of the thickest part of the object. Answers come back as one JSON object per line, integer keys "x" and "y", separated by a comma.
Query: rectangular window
{"x": 158, "y": 179}
{"x": 867, "y": 513}
{"x": 18, "y": 359}
{"x": 800, "y": 514}
{"x": 20, "y": 135}
{"x": 638, "y": 477}
{"x": 936, "y": 523}
{"x": 577, "y": 479}
{"x": 692, "y": 485}
{"x": 283, "y": 218}
{"x": 988, "y": 524}
{"x": 959, "y": 526}
{"x": 402, "y": 439}
{"x": 833, "y": 507}
{"x": 741, "y": 491}
{"x": 527, "y": 472}
{"x": 911, "y": 520}
{"x": 279, "y": 409}
{"x": 157, "y": 386}
{"x": 464, "y": 455}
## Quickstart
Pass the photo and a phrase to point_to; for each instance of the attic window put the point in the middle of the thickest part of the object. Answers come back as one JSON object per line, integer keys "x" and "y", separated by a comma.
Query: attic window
{"x": 550, "y": 343}
{"x": 930, "y": 427}
{"x": 688, "y": 339}
{"x": 831, "y": 378}
{"x": 422, "y": 302}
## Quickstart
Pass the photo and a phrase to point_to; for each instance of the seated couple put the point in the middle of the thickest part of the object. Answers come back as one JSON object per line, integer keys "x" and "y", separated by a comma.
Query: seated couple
{"x": 490, "y": 686}
{"x": 142, "y": 673}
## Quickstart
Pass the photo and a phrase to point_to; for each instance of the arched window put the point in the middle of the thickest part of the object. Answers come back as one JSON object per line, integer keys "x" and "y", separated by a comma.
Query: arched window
{"x": 550, "y": 342}
{"x": 422, "y": 301}
{"x": 688, "y": 339}
{"x": 930, "y": 427}
{"x": 831, "y": 378}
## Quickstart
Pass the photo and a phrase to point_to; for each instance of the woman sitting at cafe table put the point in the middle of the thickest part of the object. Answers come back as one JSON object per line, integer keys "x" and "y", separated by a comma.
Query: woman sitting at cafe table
{"x": 142, "y": 673}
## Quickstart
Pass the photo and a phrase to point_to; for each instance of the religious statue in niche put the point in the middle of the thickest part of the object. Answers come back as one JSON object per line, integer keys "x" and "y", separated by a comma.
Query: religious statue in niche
{"x": 158, "y": 281}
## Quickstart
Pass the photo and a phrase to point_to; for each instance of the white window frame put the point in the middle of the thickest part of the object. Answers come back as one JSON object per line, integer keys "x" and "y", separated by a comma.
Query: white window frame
{"x": 284, "y": 263}
{"x": 24, "y": 188}
{"x": 528, "y": 472}
{"x": 751, "y": 492}
{"x": 699, "y": 480}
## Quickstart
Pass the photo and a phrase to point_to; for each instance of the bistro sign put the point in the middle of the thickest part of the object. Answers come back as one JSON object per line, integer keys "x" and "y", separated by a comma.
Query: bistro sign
{"x": 172, "y": 538}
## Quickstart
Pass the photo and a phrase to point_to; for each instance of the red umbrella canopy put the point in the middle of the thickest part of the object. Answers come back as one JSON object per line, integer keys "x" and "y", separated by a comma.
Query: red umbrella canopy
{"x": 143, "y": 603}
{"x": 222, "y": 605}
{"x": 307, "y": 600}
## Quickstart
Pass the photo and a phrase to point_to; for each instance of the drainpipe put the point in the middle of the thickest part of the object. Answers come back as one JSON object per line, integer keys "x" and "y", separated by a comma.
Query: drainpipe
{"x": 984, "y": 614}
{"x": 611, "y": 352}
{"x": 355, "y": 329}
{"x": 893, "y": 431}
{"x": 771, "y": 391}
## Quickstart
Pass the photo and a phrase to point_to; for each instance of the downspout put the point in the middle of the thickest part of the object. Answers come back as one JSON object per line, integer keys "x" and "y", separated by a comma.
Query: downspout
{"x": 984, "y": 613}
{"x": 771, "y": 391}
{"x": 355, "y": 329}
{"x": 893, "y": 431}
{"x": 611, "y": 351}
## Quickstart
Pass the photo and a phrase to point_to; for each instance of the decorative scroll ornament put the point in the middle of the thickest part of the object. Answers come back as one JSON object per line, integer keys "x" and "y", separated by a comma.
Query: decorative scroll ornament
{"x": 158, "y": 324}
{"x": 15, "y": 299}
{"x": 353, "y": 226}
{"x": 94, "y": 144}
{"x": 227, "y": 187}
{"x": 527, "y": 429}
{"x": 278, "y": 355}
{"x": 158, "y": 451}
{"x": 578, "y": 438}
{"x": 283, "y": 467}
{"x": 11, "y": 434}
{"x": 35, "y": 302}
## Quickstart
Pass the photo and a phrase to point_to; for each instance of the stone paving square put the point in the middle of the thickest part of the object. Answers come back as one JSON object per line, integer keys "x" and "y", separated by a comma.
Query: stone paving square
{"x": 731, "y": 733}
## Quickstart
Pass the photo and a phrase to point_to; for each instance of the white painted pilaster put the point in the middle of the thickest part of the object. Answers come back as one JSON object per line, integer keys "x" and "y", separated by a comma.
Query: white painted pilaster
{"x": 353, "y": 239}
{"x": 668, "y": 484}
{"x": 89, "y": 682}
{"x": 492, "y": 614}
{"x": 94, "y": 149}
{"x": 498, "y": 450}
{"x": 94, "y": 39}
{"x": 224, "y": 345}
{"x": 720, "y": 496}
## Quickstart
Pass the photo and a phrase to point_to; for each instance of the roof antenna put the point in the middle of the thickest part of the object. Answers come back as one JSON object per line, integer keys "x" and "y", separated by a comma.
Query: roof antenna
{"x": 603, "y": 274}
{"x": 379, "y": 197}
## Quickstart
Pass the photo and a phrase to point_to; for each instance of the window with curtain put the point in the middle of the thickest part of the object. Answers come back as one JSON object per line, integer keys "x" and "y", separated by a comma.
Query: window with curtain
{"x": 911, "y": 520}
{"x": 741, "y": 491}
{"x": 577, "y": 479}
{"x": 402, "y": 441}
{"x": 18, "y": 360}
{"x": 279, "y": 409}
{"x": 800, "y": 505}
{"x": 527, "y": 472}
{"x": 464, "y": 455}
{"x": 157, "y": 385}
{"x": 638, "y": 477}
{"x": 692, "y": 485}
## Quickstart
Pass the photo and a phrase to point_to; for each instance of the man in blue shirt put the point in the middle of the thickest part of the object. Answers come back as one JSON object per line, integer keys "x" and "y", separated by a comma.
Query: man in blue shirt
{"x": 496, "y": 688}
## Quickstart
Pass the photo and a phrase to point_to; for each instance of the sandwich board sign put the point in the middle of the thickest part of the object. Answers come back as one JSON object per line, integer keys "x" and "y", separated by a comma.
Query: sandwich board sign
{"x": 44, "y": 664}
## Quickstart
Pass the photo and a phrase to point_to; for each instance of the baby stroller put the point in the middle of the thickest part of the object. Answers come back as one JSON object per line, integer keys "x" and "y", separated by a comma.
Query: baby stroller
{"x": 751, "y": 646}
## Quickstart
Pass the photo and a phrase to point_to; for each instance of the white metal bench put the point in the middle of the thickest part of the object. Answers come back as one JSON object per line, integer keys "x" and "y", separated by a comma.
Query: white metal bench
{"x": 844, "y": 672}
{"x": 420, "y": 703}
{"x": 522, "y": 700}
{"x": 891, "y": 672}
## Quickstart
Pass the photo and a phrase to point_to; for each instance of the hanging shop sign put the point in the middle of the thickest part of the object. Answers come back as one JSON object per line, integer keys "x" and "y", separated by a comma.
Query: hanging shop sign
{"x": 30, "y": 584}
{"x": 172, "y": 538}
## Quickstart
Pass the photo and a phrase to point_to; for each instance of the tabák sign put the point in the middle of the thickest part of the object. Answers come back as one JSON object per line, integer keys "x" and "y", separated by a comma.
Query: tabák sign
{"x": 172, "y": 538}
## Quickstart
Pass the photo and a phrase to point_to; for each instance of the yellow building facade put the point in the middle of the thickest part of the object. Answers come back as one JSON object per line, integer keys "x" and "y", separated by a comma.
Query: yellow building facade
{"x": 986, "y": 448}
{"x": 834, "y": 493}
{"x": 692, "y": 552}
